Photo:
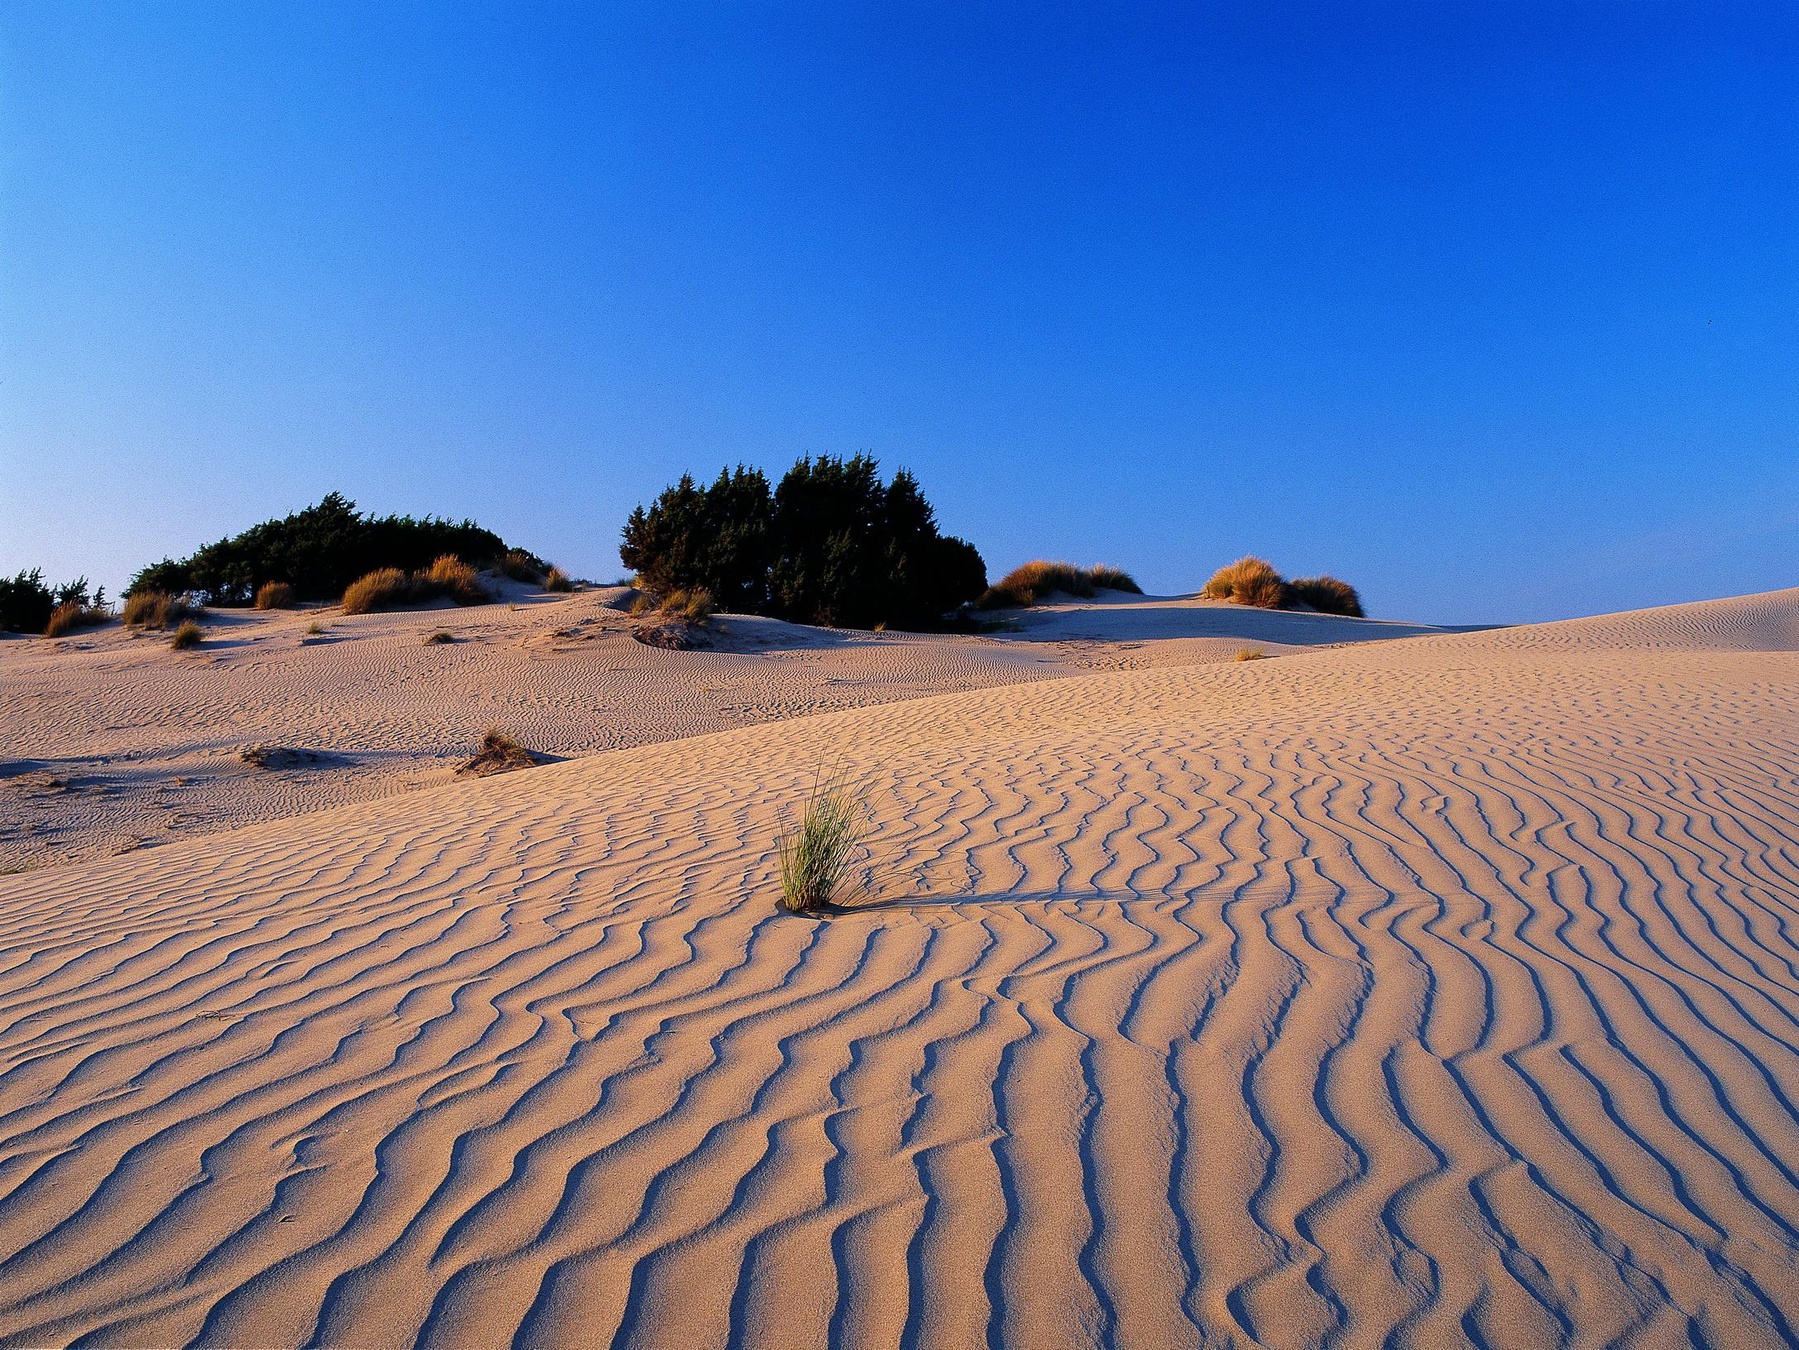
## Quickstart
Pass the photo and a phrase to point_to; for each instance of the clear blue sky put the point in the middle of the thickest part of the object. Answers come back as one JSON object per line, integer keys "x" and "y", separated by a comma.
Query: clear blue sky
{"x": 1491, "y": 308}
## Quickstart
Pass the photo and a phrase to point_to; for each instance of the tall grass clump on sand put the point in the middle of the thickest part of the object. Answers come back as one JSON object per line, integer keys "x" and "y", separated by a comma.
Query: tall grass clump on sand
{"x": 275, "y": 595}
{"x": 520, "y": 566}
{"x": 1248, "y": 581}
{"x": 816, "y": 855}
{"x": 558, "y": 580}
{"x": 73, "y": 614}
{"x": 380, "y": 588}
{"x": 694, "y": 606}
{"x": 1027, "y": 584}
{"x": 450, "y": 576}
{"x": 389, "y": 587}
{"x": 1328, "y": 595}
{"x": 156, "y": 609}
{"x": 188, "y": 635}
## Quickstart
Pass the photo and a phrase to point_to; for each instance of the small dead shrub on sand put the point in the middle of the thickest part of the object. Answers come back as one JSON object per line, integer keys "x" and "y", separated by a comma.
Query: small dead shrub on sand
{"x": 1328, "y": 595}
{"x": 275, "y": 595}
{"x": 189, "y": 635}
{"x": 1028, "y": 584}
{"x": 67, "y": 617}
{"x": 558, "y": 580}
{"x": 1248, "y": 581}
{"x": 1249, "y": 654}
{"x": 816, "y": 855}
{"x": 156, "y": 609}
{"x": 315, "y": 629}
{"x": 440, "y": 636}
{"x": 499, "y": 753}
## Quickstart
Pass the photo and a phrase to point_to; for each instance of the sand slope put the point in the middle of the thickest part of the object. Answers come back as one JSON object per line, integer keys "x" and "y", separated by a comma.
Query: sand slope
{"x": 111, "y": 742}
{"x": 1416, "y": 993}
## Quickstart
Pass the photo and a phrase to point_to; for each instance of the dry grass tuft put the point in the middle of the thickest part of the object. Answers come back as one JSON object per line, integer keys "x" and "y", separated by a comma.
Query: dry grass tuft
{"x": 190, "y": 634}
{"x": 1113, "y": 579}
{"x": 499, "y": 753}
{"x": 816, "y": 855}
{"x": 520, "y": 566}
{"x": 558, "y": 580}
{"x": 1248, "y": 581}
{"x": 156, "y": 609}
{"x": 1249, "y": 654}
{"x": 441, "y": 635}
{"x": 1328, "y": 595}
{"x": 695, "y": 606}
{"x": 377, "y": 590}
{"x": 315, "y": 628}
{"x": 641, "y": 604}
{"x": 390, "y": 587}
{"x": 275, "y": 595}
{"x": 450, "y": 576}
{"x": 66, "y": 618}
{"x": 1028, "y": 584}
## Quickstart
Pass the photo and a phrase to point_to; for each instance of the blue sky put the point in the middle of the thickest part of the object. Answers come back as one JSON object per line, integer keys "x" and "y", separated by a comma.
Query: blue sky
{"x": 1492, "y": 309}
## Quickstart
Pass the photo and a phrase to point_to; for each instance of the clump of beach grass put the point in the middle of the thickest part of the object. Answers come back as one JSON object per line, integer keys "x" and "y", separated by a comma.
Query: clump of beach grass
{"x": 520, "y": 566}
{"x": 1327, "y": 595}
{"x": 156, "y": 609}
{"x": 1249, "y": 654}
{"x": 558, "y": 580}
{"x": 693, "y": 606}
{"x": 1248, "y": 581}
{"x": 1029, "y": 583}
{"x": 816, "y": 855}
{"x": 389, "y": 587}
{"x": 441, "y": 635}
{"x": 190, "y": 634}
{"x": 275, "y": 595}
{"x": 73, "y": 614}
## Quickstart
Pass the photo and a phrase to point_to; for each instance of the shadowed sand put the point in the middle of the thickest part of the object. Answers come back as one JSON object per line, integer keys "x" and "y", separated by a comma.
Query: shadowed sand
{"x": 1416, "y": 993}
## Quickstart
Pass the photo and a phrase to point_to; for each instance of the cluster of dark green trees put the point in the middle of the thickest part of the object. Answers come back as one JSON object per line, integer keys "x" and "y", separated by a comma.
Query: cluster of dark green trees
{"x": 832, "y": 544}
{"x": 27, "y": 601}
{"x": 319, "y": 551}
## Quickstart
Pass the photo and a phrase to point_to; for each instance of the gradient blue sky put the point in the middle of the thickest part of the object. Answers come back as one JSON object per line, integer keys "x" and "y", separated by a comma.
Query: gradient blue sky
{"x": 1490, "y": 308}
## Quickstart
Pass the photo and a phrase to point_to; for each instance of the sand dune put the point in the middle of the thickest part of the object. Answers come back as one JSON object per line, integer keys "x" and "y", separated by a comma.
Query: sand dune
{"x": 1418, "y": 993}
{"x": 112, "y": 742}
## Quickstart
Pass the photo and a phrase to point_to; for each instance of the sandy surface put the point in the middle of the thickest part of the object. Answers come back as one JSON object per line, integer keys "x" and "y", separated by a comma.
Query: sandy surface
{"x": 1418, "y": 993}
{"x": 112, "y": 742}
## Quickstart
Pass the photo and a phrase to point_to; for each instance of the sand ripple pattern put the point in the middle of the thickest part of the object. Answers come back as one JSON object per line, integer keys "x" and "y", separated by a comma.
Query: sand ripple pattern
{"x": 1425, "y": 994}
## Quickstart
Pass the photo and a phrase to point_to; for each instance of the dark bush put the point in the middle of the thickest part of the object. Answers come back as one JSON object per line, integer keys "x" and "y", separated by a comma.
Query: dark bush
{"x": 832, "y": 544}
{"x": 25, "y": 602}
{"x": 716, "y": 537}
{"x": 319, "y": 551}
{"x": 1328, "y": 595}
{"x": 27, "y": 605}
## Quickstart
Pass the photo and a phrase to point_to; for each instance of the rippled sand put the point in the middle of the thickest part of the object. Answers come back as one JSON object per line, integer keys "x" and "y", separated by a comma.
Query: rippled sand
{"x": 1411, "y": 993}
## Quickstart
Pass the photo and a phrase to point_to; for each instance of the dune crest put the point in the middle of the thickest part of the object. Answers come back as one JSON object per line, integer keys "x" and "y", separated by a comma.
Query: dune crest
{"x": 1417, "y": 993}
